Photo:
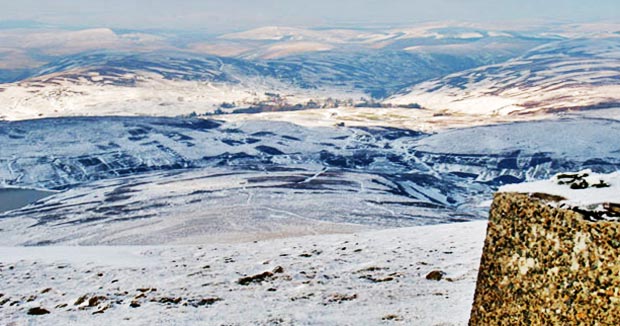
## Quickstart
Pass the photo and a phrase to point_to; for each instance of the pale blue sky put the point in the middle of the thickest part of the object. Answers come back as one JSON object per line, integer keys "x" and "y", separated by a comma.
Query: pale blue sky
{"x": 227, "y": 15}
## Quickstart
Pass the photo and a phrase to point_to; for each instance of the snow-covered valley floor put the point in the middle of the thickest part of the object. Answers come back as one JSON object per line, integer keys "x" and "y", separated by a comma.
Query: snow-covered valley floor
{"x": 369, "y": 278}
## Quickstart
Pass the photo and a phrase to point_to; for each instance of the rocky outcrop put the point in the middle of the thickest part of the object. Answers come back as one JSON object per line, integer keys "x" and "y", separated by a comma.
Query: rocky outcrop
{"x": 544, "y": 265}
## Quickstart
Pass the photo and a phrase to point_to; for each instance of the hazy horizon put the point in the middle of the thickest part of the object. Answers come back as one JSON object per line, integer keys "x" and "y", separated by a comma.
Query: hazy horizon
{"x": 239, "y": 15}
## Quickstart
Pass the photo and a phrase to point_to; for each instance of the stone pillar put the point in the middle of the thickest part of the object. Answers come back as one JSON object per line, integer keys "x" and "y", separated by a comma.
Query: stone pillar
{"x": 547, "y": 266}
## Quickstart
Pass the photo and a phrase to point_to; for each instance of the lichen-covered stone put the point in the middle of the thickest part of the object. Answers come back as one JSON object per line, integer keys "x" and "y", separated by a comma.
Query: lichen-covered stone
{"x": 547, "y": 266}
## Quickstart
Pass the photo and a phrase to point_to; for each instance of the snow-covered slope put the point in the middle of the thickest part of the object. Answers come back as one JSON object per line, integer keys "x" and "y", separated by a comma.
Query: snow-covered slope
{"x": 375, "y": 278}
{"x": 220, "y": 204}
{"x": 579, "y": 139}
{"x": 161, "y": 177}
{"x": 156, "y": 84}
{"x": 176, "y": 83}
{"x": 146, "y": 74}
{"x": 270, "y": 178}
{"x": 84, "y": 149}
{"x": 517, "y": 152}
{"x": 343, "y": 74}
{"x": 564, "y": 75}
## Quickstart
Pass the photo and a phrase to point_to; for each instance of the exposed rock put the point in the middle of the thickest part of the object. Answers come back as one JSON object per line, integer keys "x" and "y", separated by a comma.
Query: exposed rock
{"x": 303, "y": 297}
{"x": 578, "y": 181}
{"x": 601, "y": 184}
{"x": 612, "y": 208}
{"x": 579, "y": 184}
{"x": 169, "y": 300}
{"x": 37, "y": 311}
{"x": 310, "y": 254}
{"x": 81, "y": 300}
{"x": 435, "y": 275}
{"x": 102, "y": 309}
{"x": 392, "y": 317}
{"x": 340, "y": 298}
{"x": 258, "y": 278}
{"x": 372, "y": 269}
{"x": 96, "y": 300}
{"x": 377, "y": 279}
{"x": 205, "y": 301}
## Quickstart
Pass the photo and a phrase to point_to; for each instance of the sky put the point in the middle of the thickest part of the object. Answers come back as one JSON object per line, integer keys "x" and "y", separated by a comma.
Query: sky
{"x": 235, "y": 15}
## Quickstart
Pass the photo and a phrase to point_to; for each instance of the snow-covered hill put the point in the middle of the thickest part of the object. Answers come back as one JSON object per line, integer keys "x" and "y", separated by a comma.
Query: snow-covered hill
{"x": 446, "y": 67}
{"x": 563, "y": 75}
{"x": 556, "y": 76}
{"x": 161, "y": 178}
{"x": 142, "y": 74}
{"x": 103, "y": 82}
{"x": 176, "y": 84}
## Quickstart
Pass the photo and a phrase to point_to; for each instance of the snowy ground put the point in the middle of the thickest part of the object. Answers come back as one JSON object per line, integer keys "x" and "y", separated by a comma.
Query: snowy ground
{"x": 413, "y": 119}
{"x": 594, "y": 195}
{"x": 154, "y": 96}
{"x": 372, "y": 278}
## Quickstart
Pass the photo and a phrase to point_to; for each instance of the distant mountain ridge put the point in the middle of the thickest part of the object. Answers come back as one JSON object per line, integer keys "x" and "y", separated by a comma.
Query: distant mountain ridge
{"x": 461, "y": 69}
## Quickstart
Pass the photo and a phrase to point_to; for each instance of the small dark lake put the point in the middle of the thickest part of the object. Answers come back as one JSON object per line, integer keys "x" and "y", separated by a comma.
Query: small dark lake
{"x": 15, "y": 198}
